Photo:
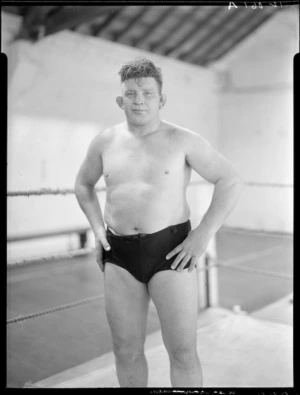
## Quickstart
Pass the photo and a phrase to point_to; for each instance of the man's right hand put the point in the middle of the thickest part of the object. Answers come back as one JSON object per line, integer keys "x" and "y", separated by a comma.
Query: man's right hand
{"x": 101, "y": 242}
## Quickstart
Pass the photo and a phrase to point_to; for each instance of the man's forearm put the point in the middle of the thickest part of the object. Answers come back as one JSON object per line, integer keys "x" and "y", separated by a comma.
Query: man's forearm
{"x": 225, "y": 196}
{"x": 88, "y": 201}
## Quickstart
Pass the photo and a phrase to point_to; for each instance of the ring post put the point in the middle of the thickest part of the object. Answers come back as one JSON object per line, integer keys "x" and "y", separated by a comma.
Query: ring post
{"x": 202, "y": 284}
{"x": 212, "y": 275}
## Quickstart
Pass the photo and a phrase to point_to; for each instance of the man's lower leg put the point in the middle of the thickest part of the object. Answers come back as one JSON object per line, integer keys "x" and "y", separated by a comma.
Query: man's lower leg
{"x": 186, "y": 372}
{"x": 132, "y": 371}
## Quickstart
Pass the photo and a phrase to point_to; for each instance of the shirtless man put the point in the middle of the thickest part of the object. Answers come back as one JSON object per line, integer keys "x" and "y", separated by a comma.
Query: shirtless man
{"x": 148, "y": 249}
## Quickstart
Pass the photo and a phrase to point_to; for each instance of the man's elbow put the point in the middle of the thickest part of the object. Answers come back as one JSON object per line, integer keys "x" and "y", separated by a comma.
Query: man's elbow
{"x": 81, "y": 189}
{"x": 232, "y": 180}
{"x": 237, "y": 182}
{"x": 77, "y": 186}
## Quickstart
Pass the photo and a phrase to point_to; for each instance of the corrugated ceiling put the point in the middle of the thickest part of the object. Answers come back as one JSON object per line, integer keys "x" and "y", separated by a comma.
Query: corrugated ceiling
{"x": 194, "y": 34}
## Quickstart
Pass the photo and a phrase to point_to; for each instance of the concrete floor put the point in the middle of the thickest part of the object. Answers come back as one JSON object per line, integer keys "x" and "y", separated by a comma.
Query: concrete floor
{"x": 235, "y": 351}
{"x": 40, "y": 347}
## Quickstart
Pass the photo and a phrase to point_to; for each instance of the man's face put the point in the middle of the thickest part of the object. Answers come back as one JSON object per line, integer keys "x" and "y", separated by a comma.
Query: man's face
{"x": 141, "y": 100}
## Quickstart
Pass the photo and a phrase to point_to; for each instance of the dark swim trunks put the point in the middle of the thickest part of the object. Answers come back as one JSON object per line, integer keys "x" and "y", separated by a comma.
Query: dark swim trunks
{"x": 144, "y": 254}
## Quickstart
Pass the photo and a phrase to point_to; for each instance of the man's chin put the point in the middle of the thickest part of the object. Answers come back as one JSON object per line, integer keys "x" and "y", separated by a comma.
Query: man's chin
{"x": 139, "y": 122}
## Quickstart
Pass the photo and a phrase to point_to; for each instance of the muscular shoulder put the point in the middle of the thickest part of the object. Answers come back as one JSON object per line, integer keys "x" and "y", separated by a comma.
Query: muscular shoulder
{"x": 185, "y": 137}
{"x": 92, "y": 168}
{"x": 103, "y": 139}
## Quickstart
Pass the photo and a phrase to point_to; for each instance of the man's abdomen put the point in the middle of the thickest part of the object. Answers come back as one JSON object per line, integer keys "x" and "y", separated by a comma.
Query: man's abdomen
{"x": 142, "y": 208}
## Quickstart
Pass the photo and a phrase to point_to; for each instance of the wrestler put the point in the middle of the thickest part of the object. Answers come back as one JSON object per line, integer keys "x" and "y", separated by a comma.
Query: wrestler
{"x": 144, "y": 242}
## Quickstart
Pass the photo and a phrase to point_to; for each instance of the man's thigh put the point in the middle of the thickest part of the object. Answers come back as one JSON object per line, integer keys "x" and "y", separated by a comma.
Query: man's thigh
{"x": 175, "y": 295}
{"x": 126, "y": 305}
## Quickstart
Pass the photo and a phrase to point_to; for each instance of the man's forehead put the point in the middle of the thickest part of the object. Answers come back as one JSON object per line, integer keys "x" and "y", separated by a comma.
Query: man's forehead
{"x": 144, "y": 82}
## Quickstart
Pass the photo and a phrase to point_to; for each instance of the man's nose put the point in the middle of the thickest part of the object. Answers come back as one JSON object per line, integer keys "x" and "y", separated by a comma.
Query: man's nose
{"x": 139, "y": 98}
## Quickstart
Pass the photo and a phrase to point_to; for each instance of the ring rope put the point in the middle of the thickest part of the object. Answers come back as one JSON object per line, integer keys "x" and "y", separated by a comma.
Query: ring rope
{"x": 47, "y": 191}
{"x": 252, "y": 255}
{"x": 269, "y": 184}
{"x": 70, "y": 191}
{"x": 256, "y": 231}
{"x": 63, "y": 255}
{"x": 255, "y": 271}
{"x": 237, "y": 267}
{"x": 234, "y": 264}
{"x": 54, "y": 309}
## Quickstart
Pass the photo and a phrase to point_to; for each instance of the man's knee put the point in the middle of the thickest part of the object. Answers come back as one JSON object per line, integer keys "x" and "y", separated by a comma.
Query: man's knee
{"x": 128, "y": 350}
{"x": 183, "y": 354}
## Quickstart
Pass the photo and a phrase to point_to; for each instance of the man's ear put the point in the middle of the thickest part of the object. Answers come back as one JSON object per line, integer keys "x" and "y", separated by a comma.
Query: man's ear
{"x": 163, "y": 99}
{"x": 119, "y": 100}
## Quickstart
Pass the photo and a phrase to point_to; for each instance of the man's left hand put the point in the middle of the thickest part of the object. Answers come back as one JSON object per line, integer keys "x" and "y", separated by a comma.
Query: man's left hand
{"x": 191, "y": 248}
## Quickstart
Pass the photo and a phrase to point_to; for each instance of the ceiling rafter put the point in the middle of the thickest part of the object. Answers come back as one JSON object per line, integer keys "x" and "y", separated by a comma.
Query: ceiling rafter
{"x": 131, "y": 24}
{"x": 158, "y": 44}
{"x": 226, "y": 18}
{"x": 237, "y": 39}
{"x": 34, "y": 20}
{"x": 194, "y": 34}
{"x": 13, "y": 9}
{"x": 97, "y": 29}
{"x": 227, "y": 33}
{"x": 176, "y": 48}
{"x": 164, "y": 15}
{"x": 71, "y": 16}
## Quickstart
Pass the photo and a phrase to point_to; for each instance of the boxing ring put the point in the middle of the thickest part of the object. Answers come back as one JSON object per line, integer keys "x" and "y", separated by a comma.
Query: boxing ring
{"x": 236, "y": 349}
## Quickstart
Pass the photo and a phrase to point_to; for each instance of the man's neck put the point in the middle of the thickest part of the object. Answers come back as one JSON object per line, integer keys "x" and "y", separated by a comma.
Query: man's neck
{"x": 143, "y": 130}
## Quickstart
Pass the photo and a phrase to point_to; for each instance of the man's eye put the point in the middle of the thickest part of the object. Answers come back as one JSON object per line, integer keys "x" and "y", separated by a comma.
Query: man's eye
{"x": 148, "y": 93}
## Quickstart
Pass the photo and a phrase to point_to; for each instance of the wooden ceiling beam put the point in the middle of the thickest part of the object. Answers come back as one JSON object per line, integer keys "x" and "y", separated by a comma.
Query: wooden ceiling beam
{"x": 195, "y": 30}
{"x": 228, "y": 17}
{"x": 237, "y": 38}
{"x": 97, "y": 29}
{"x": 131, "y": 23}
{"x": 71, "y": 16}
{"x": 34, "y": 19}
{"x": 162, "y": 41}
{"x": 218, "y": 39}
{"x": 12, "y": 9}
{"x": 159, "y": 21}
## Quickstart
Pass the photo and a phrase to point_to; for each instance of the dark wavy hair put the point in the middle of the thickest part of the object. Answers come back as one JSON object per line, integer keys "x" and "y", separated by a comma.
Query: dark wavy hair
{"x": 141, "y": 68}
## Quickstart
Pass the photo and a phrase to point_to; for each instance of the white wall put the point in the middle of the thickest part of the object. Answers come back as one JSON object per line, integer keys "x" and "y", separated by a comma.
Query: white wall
{"x": 256, "y": 121}
{"x": 62, "y": 92}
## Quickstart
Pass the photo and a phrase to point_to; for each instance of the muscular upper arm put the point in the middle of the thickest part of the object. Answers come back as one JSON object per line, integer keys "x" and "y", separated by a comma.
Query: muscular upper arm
{"x": 91, "y": 168}
{"x": 205, "y": 160}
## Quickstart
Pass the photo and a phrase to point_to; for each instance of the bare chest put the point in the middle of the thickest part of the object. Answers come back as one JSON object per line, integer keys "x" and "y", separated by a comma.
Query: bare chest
{"x": 148, "y": 160}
